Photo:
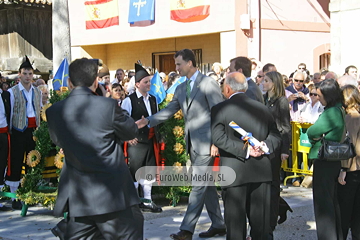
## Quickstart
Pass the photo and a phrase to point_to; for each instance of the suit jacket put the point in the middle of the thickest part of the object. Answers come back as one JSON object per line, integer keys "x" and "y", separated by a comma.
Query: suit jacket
{"x": 254, "y": 91}
{"x": 204, "y": 95}
{"x": 279, "y": 109}
{"x": 5, "y": 95}
{"x": 253, "y": 117}
{"x": 94, "y": 179}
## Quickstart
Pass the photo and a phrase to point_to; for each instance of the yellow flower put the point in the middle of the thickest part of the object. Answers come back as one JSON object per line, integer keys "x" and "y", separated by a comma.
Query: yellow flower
{"x": 178, "y": 131}
{"x": 178, "y": 148}
{"x": 178, "y": 115}
{"x": 59, "y": 160}
{"x": 169, "y": 97}
{"x": 43, "y": 110}
{"x": 33, "y": 158}
{"x": 177, "y": 167}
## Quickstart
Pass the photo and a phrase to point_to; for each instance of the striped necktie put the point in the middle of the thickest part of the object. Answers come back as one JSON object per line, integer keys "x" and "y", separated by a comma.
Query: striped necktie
{"x": 188, "y": 90}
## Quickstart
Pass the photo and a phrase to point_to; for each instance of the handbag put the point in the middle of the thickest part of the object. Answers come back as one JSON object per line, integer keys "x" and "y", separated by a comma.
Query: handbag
{"x": 336, "y": 151}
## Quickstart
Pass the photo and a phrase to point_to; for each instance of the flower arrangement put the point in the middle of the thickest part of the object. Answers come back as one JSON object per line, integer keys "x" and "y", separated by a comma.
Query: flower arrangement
{"x": 33, "y": 187}
{"x": 59, "y": 160}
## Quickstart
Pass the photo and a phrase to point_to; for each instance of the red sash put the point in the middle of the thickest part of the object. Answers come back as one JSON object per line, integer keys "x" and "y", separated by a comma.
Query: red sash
{"x": 6, "y": 130}
{"x": 156, "y": 146}
{"x": 32, "y": 122}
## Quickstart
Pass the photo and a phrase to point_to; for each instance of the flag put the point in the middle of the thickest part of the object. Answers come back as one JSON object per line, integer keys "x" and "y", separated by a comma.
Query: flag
{"x": 141, "y": 10}
{"x": 189, "y": 10}
{"x": 101, "y": 13}
{"x": 157, "y": 88}
{"x": 171, "y": 90}
{"x": 61, "y": 76}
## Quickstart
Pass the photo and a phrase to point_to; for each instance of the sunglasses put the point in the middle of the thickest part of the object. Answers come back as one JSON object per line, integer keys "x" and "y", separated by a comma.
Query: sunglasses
{"x": 296, "y": 80}
{"x": 313, "y": 94}
{"x": 301, "y": 68}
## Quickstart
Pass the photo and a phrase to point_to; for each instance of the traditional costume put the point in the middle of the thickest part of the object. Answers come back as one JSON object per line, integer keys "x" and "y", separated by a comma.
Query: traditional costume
{"x": 25, "y": 117}
{"x": 145, "y": 151}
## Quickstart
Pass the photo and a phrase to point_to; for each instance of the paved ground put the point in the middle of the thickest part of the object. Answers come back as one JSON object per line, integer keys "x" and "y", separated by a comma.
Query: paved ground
{"x": 39, "y": 221}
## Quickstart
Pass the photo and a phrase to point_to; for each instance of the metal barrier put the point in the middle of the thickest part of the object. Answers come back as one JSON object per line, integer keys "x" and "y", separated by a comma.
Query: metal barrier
{"x": 299, "y": 144}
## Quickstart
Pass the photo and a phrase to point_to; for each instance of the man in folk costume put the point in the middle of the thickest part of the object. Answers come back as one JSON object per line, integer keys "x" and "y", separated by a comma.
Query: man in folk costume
{"x": 25, "y": 117}
{"x": 4, "y": 138}
{"x": 143, "y": 150}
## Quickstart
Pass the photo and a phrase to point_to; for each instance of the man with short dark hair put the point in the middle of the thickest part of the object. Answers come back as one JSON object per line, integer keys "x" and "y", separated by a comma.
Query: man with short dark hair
{"x": 351, "y": 70}
{"x": 195, "y": 97}
{"x": 269, "y": 67}
{"x": 95, "y": 188}
{"x": 243, "y": 65}
{"x": 26, "y": 103}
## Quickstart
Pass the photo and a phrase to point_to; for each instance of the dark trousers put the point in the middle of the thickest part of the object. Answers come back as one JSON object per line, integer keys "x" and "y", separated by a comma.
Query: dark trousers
{"x": 141, "y": 154}
{"x": 275, "y": 192}
{"x": 127, "y": 224}
{"x": 326, "y": 205}
{"x": 250, "y": 200}
{"x": 349, "y": 201}
{"x": 21, "y": 144}
{"x": 3, "y": 155}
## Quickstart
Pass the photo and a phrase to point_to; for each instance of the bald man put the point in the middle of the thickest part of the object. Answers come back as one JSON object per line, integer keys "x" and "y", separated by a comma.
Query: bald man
{"x": 347, "y": 80}
{"x": 251, "y": 188}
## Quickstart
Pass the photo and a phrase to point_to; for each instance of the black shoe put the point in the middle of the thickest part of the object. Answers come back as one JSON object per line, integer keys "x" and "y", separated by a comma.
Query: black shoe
{"x": 212, "y": 232}
{"x": 283, "y": 208}
{"x": 16, "y": 205}
{"x": 59, "y": 230}
{"x": 150, "y": 207}
{"x": 5, "y": 209}
{"x": 182, "y": 235}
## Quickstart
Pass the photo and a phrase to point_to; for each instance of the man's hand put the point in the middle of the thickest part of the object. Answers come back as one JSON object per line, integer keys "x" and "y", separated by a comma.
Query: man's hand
{"x": 255, "y": 151}
{"x": 214, "y": 150}
{"x": 133, "y": 142}
{"x": 142, "y": 122}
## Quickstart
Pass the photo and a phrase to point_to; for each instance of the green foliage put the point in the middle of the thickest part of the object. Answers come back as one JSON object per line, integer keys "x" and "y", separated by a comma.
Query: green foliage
{"x": 33, "y": 179}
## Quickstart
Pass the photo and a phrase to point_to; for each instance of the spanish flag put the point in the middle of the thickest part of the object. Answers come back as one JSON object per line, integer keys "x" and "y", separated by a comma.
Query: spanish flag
{"x": 189, "y": 10}
{"x": 101, "y": 13}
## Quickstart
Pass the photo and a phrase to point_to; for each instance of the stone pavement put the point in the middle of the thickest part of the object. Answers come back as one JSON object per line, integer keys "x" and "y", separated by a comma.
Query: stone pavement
{"x": 38, "y": 222}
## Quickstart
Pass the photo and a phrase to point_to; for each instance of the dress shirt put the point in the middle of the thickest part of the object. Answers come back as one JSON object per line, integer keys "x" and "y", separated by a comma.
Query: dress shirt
{"x": 126, "y": 104}
{"x": 193, "y": 78}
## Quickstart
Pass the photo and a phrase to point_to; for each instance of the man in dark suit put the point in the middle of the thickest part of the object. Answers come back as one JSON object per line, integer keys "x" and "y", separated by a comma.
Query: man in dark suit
{"x": 195, "y": 97}
{"x": 249, "y": 195}
{"x": 4, "y": 138}
{"x": 243, "y": 65}
{"x": 96, "y": 188}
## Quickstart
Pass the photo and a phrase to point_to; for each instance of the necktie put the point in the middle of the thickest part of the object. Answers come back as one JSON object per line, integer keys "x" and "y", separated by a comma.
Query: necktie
{"x": 188, "y": 90}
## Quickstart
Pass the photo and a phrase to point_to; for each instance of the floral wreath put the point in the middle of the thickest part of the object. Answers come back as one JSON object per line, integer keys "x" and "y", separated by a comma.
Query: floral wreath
{"x": 33, "y": 158}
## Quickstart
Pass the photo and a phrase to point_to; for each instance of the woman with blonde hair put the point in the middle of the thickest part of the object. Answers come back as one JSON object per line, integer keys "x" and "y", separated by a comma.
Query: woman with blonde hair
{"x": 349, "y": 176}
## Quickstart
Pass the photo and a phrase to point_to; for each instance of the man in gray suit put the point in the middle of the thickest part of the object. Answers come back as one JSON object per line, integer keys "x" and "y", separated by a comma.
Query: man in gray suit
{"x": 243, "y": 65}
{"x": 195, "y": 97}
{"x": 96, "y": 188}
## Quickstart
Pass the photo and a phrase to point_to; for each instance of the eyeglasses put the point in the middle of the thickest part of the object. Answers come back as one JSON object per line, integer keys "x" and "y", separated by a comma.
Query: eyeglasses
{"x": 296, "y": 80}
{"x": 313, "y": 94}
{"x": 259, "y": 76}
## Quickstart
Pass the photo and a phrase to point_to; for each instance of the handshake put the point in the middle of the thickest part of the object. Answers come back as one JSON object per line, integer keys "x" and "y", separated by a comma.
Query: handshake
{"x": 142, "y": 122}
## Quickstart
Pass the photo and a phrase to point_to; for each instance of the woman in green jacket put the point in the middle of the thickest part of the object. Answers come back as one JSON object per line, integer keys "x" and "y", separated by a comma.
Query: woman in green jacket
{"x": 331, "y": 123}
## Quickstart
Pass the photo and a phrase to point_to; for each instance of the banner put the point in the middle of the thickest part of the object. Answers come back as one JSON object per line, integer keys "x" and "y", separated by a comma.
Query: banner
{"x": 61, "y": 76}
{"x": 101, "y": 14}
{"x": 157, "y": 88}
{"x": 141, "y": 10}
{"x": 189, "y": 10}
{"x": 171, "y": 89}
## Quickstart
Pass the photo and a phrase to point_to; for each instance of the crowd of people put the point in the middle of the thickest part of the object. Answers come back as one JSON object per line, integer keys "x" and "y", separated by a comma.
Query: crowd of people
{"x": 258, "y": 98}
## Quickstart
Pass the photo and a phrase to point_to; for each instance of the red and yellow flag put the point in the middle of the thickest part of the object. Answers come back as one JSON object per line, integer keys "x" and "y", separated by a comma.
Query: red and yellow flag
{"x": 189, "y": 10}
{"x": 101, "y": 14}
